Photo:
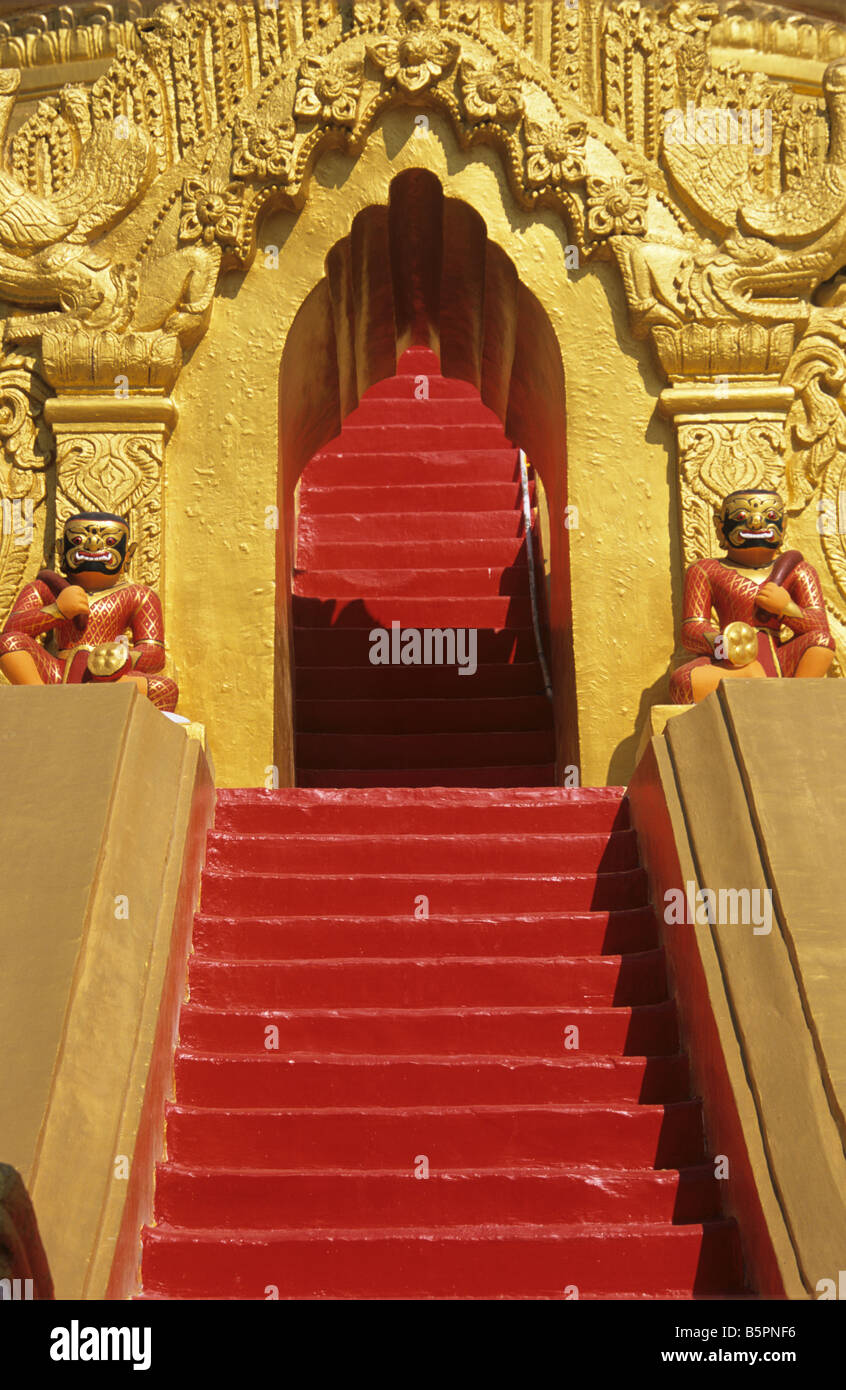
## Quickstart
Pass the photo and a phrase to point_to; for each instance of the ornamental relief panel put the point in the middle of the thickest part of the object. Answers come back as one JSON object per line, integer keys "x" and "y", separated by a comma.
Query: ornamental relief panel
{"x": 122, "y": 203}
{"x": 26, "y": 467}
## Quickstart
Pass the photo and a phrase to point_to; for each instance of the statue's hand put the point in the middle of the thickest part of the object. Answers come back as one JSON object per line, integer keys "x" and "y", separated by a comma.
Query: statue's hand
{"x": 72, "y": 600}
{"x": 773, "y": 598}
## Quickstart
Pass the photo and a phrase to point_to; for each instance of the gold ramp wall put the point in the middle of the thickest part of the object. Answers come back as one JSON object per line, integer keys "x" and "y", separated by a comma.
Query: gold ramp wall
{"x": 748, "y": 791}
{"x": 106, "y": 805}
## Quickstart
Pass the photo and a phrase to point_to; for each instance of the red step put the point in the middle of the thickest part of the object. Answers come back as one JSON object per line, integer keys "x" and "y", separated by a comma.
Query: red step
{"x": 442, "y": 1262}
{"x": 392, "y": 716}
{"x": 449, "y": 894}
{"x": 431, "y": 525}
{"x": 453, "y": 1197}
{"x": 426, "y": 854}
{"x": 529, "y": 775}
{"x": 647, "y": 1030}
{"x": 401, "y": 683}
{"x": 315, "y": 551}
{"x": 407, "y": 381}
{"x": 399, "y": 438}
{"x": 665, "y": 1136}
{"x": 341, "y": 466}
{"x": 276, "y": 1080}
{"x": 450, "y": 412}
{"x": 450, "y": 496}
{"x": 466, "y": 811}
{"x": 349, "y": 646}
{"x": 494, "y": 611}
{"x": 473, "y": 981}
{"x": 425, "y": 750}
{"x": 297, "y": 938}
{"x": 407, "y": 583}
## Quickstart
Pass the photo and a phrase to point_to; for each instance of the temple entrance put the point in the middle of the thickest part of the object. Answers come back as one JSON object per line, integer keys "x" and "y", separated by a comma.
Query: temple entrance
{"x": 410, "y": 518}
{"x": 418, "y": 599}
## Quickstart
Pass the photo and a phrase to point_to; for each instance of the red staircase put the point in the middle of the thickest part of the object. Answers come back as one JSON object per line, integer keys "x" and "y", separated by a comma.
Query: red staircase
{"x": 440, "y": 1044}
{"x": 413, "y": 515}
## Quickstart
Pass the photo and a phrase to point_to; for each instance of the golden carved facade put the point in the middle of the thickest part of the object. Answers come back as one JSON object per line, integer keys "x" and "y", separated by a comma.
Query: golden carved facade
{"x": 165, "y": 225}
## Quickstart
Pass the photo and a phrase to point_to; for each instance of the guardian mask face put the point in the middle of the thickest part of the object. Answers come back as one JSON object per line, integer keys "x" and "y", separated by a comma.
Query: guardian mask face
{"x": 751, "y": 520}
{"x": 95, "y": 544}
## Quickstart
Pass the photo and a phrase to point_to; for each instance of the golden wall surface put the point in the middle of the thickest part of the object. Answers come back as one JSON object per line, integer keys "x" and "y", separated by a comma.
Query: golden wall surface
{"x": 202, "y": 275}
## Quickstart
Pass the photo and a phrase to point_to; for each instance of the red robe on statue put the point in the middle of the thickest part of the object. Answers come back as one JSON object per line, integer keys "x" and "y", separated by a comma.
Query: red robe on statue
{"x": 128, "y": 608}
{"x": 713, "y": 584}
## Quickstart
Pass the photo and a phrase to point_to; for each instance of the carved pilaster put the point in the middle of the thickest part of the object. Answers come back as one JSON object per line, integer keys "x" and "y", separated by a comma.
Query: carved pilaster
{"x": 110, "y": 447}
{"x": 731, "y": 424}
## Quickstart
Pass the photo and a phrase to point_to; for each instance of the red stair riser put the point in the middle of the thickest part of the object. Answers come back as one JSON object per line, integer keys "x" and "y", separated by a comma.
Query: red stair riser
{"x": 391, "y": 893}
{"x": 434, "y": 854}
{"x": 446, "y": 583}
{"x": 351, "y": 646}
{"x": 428, "y": 438}
{"x": 427, "y": 984}
{"x": 412, "y": 526}
{"x": 421, "y": 682}
{"x": 494, "y": 611}
{"x": 648, "y": 1030}
{"x": 460, "y": 551}
{"x": 391, "y": 716}
{"x": 529, "y": 775}
{"x": 298, "y": 938}
{"x": 405, "y": 383}
{"x": 253, "y": 1201}
{"x": 280, "y": 1081}
{"x": 345, "y": 468}
{"x": 424, "y": 750}
{"x": 389, "y": 411}
{"x": 411, "y": 496}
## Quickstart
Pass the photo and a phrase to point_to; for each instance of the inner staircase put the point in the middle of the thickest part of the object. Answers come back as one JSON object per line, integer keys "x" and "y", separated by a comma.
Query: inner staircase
{"x": 413, "y": 515}
{"x": 429, "y": 1053}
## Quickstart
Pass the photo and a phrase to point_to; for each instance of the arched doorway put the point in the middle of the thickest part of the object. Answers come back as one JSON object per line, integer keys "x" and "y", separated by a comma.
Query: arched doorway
{"x": 422, "y": 271}
{"x": 419, "y": 637}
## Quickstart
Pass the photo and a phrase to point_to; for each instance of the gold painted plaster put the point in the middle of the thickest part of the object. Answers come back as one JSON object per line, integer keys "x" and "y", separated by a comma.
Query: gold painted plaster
{"x": 147, "y": 204}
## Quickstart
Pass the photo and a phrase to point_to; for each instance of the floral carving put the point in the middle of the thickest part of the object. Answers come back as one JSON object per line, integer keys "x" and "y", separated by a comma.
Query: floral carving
{"x": 489, "y": 94}
{"x": 328, "y": 91}
{"x": 617, "y": 207}
{"x": 262, "y": 150}
{"x": 105, "y": 470}
{"x": 416, "y": 58}
{"x": 555, "y": 154}
{"x": 367, "y": 12}
{"x": 210, "y": 212}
